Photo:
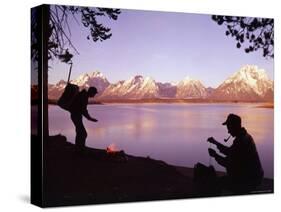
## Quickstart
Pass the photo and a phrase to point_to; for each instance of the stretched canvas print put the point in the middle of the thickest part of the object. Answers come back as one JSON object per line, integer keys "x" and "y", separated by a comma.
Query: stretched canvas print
{"x": 131, "y": 105}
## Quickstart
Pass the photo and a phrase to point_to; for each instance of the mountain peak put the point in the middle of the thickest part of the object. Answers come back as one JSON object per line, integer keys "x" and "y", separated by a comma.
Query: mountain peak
{"x": 82, "y": 77}
{"x": 250, "y": 72}
{"x": 136, "y": 79}
{"x": 61, "y": 83}
{"x": 97, "y": 74}
{"x": 190, "y": 88}
{"x": 96, "y": 79}
{"x": 148, "y": 79}
{"x": 187, "y": 78}
{"x": 248, "y": 83}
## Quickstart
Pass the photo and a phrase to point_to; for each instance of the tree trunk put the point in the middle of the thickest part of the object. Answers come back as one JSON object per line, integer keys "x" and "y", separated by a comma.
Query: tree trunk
{"x": 45, "y": 39}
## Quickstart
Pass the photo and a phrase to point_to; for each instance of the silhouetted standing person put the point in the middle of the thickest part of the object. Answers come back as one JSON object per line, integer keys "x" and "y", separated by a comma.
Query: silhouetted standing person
{"x": 78, "y": 110}
{"x": 241, "y": 159}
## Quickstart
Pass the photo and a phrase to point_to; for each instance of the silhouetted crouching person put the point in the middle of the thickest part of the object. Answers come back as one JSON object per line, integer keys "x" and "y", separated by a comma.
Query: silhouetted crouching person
{"x": 78, "y": 110}
{"x": 241, "y": 159}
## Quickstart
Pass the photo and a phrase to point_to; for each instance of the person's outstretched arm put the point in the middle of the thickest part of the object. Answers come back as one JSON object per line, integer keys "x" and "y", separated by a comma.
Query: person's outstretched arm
{"x": 87, "y": 116}
{"x": 84, "y": 103}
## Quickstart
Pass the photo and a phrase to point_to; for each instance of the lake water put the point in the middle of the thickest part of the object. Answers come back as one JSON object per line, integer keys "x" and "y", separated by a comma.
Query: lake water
{"x": 175, "y": 133}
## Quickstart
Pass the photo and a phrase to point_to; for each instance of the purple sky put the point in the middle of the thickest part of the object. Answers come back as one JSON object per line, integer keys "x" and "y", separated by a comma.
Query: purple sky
{"x": 166, "y": 46}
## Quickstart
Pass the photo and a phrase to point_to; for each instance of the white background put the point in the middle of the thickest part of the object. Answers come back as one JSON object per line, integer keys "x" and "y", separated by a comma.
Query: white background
{"x": 15, "y": 101}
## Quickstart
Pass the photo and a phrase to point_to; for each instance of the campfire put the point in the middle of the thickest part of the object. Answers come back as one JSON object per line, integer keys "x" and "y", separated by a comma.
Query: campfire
{"x": 112, "y": 149}
{"x": 115, "y": 154}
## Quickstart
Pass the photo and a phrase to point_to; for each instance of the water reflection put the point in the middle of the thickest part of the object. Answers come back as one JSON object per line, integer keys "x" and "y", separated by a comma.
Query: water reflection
{"x": 175, "y": 133}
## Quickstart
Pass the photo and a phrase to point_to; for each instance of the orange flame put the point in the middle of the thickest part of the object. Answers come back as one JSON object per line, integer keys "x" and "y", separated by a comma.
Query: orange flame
{"x": 111, "y": 148}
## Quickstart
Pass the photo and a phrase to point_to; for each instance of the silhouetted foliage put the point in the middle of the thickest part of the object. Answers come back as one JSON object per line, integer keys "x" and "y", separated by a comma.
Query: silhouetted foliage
{"x": 259, "y": 32}
{"x": 60, "y": 32}
{"x": 56, "y": 18}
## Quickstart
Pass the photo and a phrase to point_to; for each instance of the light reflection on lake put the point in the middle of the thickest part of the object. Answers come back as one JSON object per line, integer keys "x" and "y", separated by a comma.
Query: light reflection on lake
{"x": 175, "y": 133}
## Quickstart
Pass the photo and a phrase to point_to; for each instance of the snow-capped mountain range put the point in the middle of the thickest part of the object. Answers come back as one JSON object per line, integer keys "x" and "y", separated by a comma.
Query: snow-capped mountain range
{"x": 247, "y": 84}
{"x": 96, "y": 78}
{"x": 136, "y": 87}
{"x": 190, "y": 88}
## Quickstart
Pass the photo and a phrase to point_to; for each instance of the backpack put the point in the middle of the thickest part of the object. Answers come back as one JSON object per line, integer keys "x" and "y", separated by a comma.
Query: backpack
{"x": 69, "y": 93}
{"x": 205, "y": 180}
{"x": 68, "y": 96}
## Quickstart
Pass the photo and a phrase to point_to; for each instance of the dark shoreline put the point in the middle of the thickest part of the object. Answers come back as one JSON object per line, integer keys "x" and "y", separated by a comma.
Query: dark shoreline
{"x": 98, "y": 177}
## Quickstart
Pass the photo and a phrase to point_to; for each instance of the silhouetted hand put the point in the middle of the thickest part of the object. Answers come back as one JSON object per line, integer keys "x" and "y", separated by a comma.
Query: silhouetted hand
{"x": 212, "y": 152}
{"x": 211, "y": 140}
{"x": 94, "y": 120}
